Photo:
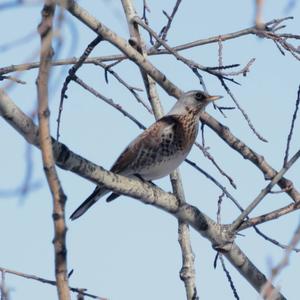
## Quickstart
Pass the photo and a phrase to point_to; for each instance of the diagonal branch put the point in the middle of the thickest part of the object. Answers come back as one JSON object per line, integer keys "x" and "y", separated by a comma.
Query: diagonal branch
{"x": 79, "y": 291}
{"x": 275, "y": 214}
{"x": 264, "y": 192}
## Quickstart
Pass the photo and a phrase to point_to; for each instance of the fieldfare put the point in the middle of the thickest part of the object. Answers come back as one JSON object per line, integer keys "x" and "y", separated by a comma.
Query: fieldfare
{"x": 160, "y": 149}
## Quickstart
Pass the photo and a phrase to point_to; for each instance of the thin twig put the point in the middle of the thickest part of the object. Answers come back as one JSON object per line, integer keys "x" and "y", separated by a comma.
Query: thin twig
{"x": 270, "y": 216}
{"x": 144, "y": 17}
{"x": 123, "y": 82}
{"x": 223, "y": 189}
{"x": 289, "y": 138}
{"x": 229, "y": 278}
{"x": 166, "y": 28}
{"x": 210, "y": 157}
{"x": 51, "y": 282}
{"x": 200, "y": 77}
{"x": 243, "y": 71}
{"x": 108, "y": 101}
{"x": 12, "y": 78}
{"x": 273, "y": 241}
{"x": 71, "y": 75}
{"x": 241, "y": 110}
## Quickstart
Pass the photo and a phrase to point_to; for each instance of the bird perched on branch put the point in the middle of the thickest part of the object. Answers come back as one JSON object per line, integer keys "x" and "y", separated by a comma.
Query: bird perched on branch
{"x": 160, "y": 149}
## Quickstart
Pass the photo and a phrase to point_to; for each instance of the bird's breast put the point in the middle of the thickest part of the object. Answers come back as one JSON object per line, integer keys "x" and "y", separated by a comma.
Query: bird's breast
{"x": 158, "y": 159}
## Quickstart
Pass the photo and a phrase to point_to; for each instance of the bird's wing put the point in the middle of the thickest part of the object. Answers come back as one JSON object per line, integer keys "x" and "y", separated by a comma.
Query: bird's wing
{"x": 151, "y": 138}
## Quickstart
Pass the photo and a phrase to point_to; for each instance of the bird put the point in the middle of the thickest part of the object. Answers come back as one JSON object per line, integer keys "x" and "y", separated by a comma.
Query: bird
{"x": 160, "y": 148}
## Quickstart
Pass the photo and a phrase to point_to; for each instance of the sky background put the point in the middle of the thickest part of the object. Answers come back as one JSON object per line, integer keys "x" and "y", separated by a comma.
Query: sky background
{"x": 126, "y": 250}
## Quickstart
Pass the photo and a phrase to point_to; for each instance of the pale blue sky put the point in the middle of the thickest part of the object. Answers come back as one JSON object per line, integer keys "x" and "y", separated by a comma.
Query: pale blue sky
{"x": 126, "y": 250}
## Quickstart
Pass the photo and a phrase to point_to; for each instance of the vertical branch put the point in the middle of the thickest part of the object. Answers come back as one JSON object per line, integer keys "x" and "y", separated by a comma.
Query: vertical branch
{"x": 258, "y": 14}
{"x": 163, "y": 33}
{"x": 137, "y": 43}
{"x": 187, "y": 272}
{"x": 3, "y": 289}
{"x": 59, "y": 198}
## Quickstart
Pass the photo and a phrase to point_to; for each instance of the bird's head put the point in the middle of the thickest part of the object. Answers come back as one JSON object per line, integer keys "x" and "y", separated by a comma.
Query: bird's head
{"x": 195, "y": 100}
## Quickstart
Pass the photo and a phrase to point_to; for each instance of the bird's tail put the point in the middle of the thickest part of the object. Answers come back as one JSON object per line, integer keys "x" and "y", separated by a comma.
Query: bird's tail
{"x": 91, "y": 200}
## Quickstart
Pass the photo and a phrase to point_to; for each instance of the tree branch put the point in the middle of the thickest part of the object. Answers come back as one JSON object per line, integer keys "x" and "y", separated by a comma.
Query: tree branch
{"x": 59, "y": 198}
{"x": 264, "y": 192}
{"x": 51, "y": 282}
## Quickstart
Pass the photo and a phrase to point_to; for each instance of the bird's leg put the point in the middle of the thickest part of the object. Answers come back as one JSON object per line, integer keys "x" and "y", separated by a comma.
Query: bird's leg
{"x": 113, "y": 196}
{"x": 143, "y": 180}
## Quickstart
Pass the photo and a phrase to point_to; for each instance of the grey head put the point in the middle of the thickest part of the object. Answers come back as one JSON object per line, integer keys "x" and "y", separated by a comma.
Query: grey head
{"x": 195, "y": 100}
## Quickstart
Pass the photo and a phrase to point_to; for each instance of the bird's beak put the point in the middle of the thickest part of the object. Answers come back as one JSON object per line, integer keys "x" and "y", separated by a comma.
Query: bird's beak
{"x": 214, "y": 98}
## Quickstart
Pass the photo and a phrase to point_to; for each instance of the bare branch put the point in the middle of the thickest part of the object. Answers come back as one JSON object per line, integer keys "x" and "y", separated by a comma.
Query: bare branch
{"x": 273, "y": 241}
{"x": 12, "y": 78}
{"x": 166, "y": 28}
{"x": 109, "y": 101}
{"x": 51, "y": 282}
{"x": 210, "y": 157}
{"x": 229, "y": 278}
{"x": 3, "y": 289}
{"x": 71, "y": 76}
{"x": 242, "y": 110}
{"x": 132, "y": 89}
{"x": 270, "y": 216}
{"x": 59, "y": 198}
{"x": 289, "y": 138}
{"x": 264, "y": 192}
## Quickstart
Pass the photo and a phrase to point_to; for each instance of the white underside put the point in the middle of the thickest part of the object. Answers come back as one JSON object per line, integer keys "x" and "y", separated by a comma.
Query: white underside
{"x": 164, "y": 168}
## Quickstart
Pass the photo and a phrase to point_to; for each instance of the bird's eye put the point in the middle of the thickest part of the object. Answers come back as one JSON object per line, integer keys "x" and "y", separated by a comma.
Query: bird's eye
{"x": 199, "y": 96}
